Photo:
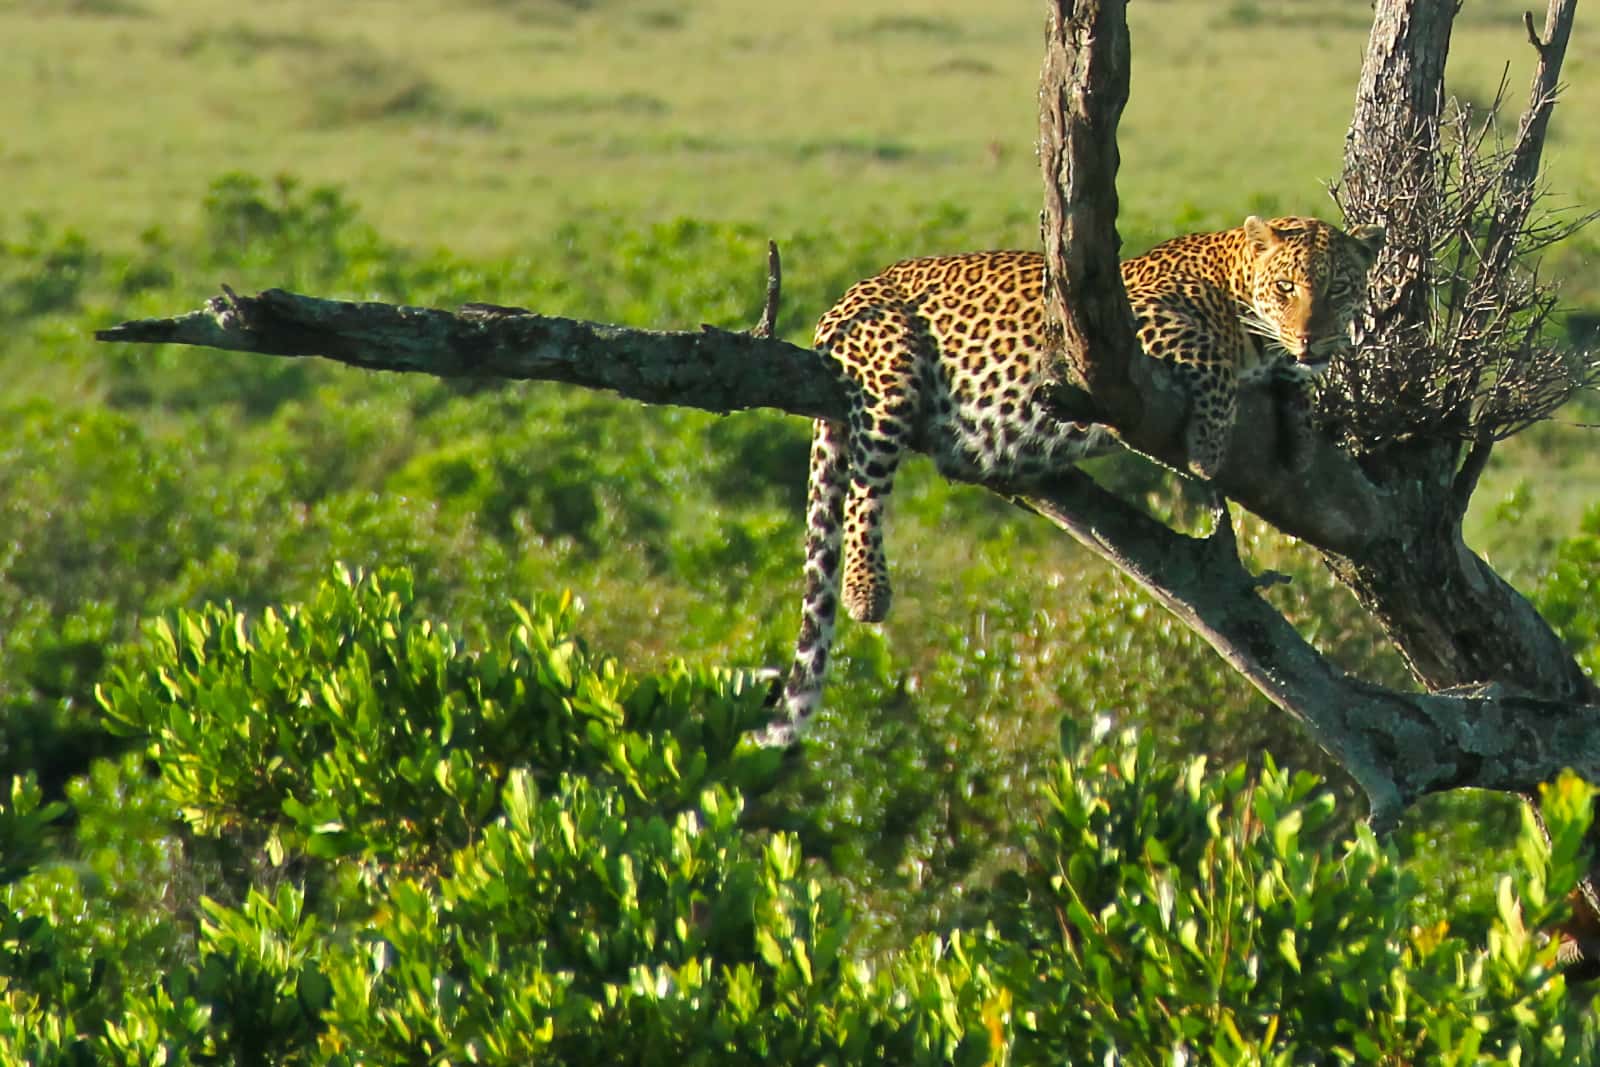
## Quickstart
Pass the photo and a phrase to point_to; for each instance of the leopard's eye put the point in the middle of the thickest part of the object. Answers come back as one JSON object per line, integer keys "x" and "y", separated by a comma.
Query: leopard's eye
{"x": 1285, "y": 286}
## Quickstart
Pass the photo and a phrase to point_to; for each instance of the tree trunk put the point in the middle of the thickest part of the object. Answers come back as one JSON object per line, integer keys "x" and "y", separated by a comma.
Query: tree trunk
{"x": 1454, "y": 620}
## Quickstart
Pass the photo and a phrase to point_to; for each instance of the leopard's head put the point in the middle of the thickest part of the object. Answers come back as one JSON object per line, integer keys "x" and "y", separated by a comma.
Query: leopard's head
{"x": 1308, "y": 282}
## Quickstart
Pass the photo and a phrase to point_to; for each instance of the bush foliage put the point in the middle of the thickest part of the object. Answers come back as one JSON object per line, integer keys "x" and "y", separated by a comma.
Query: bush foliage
{"x": 363, "y": 839}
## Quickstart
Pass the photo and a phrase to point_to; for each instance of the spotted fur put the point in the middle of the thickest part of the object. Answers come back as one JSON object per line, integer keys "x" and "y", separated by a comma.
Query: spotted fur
{"x": 945, "y": 355}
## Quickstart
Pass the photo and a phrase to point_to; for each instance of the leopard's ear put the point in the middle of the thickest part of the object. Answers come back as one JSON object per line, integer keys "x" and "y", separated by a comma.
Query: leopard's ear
{"x": 1261, "y": 235}
{"x": 1370, "y": 237}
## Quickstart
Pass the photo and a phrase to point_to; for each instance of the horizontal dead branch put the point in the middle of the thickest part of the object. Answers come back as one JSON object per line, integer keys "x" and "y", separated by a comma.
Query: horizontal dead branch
{"x": 706, "y": 368}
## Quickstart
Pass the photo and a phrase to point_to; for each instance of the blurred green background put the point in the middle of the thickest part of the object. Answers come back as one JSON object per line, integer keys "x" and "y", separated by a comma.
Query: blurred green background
{"x": 626, "y": 161}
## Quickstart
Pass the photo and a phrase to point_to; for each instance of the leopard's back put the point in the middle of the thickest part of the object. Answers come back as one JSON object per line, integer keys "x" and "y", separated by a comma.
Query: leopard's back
{"x": 957, "y": 345}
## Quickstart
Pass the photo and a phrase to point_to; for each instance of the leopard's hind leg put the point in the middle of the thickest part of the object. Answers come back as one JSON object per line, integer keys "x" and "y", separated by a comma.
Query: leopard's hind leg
{"x": 852, "y": 469}
{"x": 882, "y": 421}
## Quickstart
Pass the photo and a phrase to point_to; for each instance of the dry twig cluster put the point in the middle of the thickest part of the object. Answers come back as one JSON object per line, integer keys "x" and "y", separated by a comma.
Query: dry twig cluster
{"x": 1458, "y": 344}
{"x": 1482, "y": 362}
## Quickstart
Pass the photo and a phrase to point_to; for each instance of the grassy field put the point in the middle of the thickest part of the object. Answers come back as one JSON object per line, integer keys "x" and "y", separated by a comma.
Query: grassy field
{"x": 487, "y": 126}
{"x": 479, "y": 125}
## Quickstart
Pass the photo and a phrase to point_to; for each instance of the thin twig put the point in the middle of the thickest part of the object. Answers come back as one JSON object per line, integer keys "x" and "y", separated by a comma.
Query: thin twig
{"x": 1533, "y": 37}
{"x": 769, "y": 311}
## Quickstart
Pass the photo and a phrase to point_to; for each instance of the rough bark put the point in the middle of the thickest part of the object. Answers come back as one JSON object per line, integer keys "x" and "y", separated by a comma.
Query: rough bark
{"x": 1396, "y": 745}
{"x": 1082, "y": 91}
{"x": 1390, "y": 527}
{"x": 706, "y": 368}
{"x": 1402, "y": 80}
{"x": 1083, "y": 88}
{"x": 1453, "y": 619}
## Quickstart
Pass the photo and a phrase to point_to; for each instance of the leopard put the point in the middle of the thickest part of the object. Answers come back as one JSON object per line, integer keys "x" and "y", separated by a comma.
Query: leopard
{"x": 948, "y": 355}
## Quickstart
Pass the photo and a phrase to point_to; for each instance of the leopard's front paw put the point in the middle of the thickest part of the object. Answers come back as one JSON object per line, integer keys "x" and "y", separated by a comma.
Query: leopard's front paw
{"x": 1206, "y": 440}
{"x": 1205, "y": 460}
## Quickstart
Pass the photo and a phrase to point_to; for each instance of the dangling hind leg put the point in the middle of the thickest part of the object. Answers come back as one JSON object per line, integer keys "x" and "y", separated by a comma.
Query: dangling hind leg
{"x": 802, "y": 693}
{"x": 851, "y": 467}
{"x": 877, "y": 441}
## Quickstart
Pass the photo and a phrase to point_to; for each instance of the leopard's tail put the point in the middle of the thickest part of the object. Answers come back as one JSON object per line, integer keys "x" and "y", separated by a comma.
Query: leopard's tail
{"x": 819, "y": 610}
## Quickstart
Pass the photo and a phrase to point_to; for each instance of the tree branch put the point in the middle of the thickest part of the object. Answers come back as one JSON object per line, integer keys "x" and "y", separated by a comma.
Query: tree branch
{"x": 707, "y": 369}
{"x": 1082, "y": 90}
{"x": 1398, "y": 746}
{"x": 1453, "y": 619}
{"x": 768, "y": 325}
{"x": 710, "y": 369}
{"x": 1392, "y": 539}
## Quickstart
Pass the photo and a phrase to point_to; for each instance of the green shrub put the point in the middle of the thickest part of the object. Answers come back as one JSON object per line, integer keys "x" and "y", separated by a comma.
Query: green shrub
{"x": 25, "y": 821}
{"x": 351, "y": 727}
{"x": 520, "y": 850}
{"x": 1173, "y": 913}
{"x": 368, "y": 840}
{"x": 319, "y": 763}
{"x": 44, "y": 271}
